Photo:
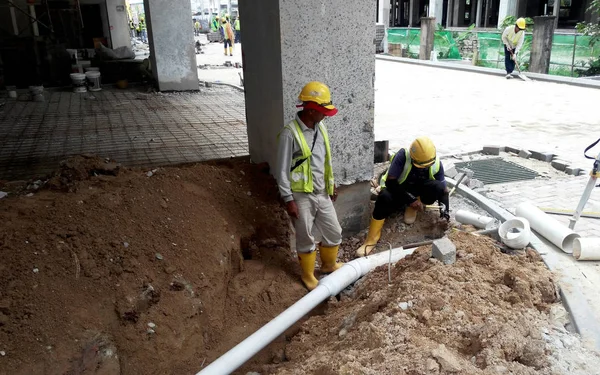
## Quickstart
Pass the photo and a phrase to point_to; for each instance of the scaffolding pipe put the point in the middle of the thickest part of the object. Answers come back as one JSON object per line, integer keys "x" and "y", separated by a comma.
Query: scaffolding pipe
{"x": 329, "y": 286}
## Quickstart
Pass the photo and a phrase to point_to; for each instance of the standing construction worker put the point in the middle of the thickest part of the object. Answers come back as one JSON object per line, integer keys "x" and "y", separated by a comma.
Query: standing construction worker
{"x": 305, "y": 178}
{"x": 513, "y": 38}
{"x": 415, "y": 178}
{"x": 214, "y": 24}
{"x": 228, "y": 36}
{"x": 197, "y": 28}
{"x": 144, "y": 32}
{"x": 236, "y": 27}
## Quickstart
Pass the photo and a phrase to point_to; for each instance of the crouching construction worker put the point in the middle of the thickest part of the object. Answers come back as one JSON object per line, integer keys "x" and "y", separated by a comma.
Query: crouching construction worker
{"x": 415, "y": 178}
{"x": 305, "y": 178}
{"x": 513, "y": 38}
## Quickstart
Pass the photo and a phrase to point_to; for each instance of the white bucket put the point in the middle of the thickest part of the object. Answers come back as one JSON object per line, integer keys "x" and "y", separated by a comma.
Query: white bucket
{"x": 78, "y": 80}
{"x": 586, "y": 248}
{"x": 93, "y": 79}
{"x": 91, "y": 69}
{"x": 515, "y": 233}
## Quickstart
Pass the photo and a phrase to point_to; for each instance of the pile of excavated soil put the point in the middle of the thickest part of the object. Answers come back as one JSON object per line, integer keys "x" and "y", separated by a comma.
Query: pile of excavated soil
{"x": 489, "y": 313}
{"x": 107, "y": 270}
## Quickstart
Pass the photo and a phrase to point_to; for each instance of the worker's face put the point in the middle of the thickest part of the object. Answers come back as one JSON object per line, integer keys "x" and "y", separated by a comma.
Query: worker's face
{"x": 316, "y": 116}
{"x": 517, "y": 29}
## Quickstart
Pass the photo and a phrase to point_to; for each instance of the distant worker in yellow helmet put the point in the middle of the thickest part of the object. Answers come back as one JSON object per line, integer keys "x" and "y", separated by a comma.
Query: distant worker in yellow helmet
{"x": 305, "y": 179}
{"x": 415, "y": 178}
{"x": 228, "y": 36}
{"x": 513, "y": 38}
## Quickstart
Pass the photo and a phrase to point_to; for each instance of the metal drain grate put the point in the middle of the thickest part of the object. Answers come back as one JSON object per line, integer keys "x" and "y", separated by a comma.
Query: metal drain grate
{"x": 497, "y": 171}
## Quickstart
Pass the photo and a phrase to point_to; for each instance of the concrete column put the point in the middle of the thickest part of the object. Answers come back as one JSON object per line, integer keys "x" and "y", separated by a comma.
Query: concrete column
{"x": 285, "y": 48}
{"x": 458, "y": 15}
{"x": 507, "y": 8}
{"x": 541, "y": 45}
{"x": 472, "y": 12}
{"x": 556, "y": 12}
{"x": 385, "y": 20}
{"x": 449, "y": 11}
{"x": 171, "y": 44}
{"x": 478, "y": 22}
{"x": 427, "y": 36}
{"x": 436, "y": 9}
{"x": 119, "y": 25}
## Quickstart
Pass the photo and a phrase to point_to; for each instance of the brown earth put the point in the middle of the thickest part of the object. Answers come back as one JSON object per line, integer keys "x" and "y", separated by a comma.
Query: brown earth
{"x": 483, "y": 315}
{"x": 106, "y": 270}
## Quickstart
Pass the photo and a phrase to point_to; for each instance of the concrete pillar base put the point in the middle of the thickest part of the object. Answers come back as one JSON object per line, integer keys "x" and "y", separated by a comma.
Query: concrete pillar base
{"x": 353, "y": 208}
{"x": 427, "y": 36}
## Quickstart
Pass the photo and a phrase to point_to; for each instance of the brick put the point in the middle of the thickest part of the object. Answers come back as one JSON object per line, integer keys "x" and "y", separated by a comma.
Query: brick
{"x": 524, "y": 154}
{"x": 543, "y": 156}
{"x": 511, "y": 149}
{"x": 475, "y": 183}
{"x": 444, "y": 250}
{"x": 450, "y": 171}
{"x": 561, "y": 165}
{"x": 492, "y": 150}
{"x": 572, "y": 171}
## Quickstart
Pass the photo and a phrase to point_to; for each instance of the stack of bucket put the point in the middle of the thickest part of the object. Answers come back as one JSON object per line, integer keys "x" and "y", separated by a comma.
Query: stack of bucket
{"x": 90, "y": 80}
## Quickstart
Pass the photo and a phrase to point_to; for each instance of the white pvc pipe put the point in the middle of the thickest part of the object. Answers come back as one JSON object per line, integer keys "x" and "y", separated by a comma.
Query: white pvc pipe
{"x": 329, "y": 286}
{"x": 586, "y": 248}
{"x": 548, "y": 227}
{"x": 515, "y": 239}
{"x": 478, "y": 221}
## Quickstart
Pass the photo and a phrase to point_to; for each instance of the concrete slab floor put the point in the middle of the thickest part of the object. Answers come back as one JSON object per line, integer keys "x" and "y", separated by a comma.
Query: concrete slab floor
{"x": 132, "y": 127}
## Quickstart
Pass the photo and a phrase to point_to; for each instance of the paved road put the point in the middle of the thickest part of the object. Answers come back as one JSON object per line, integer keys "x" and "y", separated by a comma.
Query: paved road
{"x": 213, "y": 57}
{"x": 463, "y": 111}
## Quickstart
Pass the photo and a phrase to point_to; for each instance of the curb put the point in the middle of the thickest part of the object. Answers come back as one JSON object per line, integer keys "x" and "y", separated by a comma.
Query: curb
{"x": 575, "y": 302}
{"x": 588, "y": 83}
{"x": 239, "y": 88}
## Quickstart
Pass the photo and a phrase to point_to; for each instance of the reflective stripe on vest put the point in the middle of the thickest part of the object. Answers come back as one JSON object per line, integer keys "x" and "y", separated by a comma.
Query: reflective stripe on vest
{"x": 433, "y": 169}
{"x": 301, "y": 178}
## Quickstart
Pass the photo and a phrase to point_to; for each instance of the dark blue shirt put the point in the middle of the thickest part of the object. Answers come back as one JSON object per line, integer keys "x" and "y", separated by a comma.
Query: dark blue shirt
{"x": 417, "y": 175}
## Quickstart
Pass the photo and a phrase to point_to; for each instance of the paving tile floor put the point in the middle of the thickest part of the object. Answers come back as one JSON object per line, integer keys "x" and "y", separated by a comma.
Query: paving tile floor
{"x": 132, "y": 127}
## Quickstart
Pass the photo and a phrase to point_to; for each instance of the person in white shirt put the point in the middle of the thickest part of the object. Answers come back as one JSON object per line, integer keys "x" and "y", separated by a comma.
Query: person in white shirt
{"x": 513, "y": 38}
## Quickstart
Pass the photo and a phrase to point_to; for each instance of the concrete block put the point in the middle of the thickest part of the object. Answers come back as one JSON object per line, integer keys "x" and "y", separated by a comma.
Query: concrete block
{"x": 543, "y": 156}
{"x": 524, "y": 154}
{"x": 382, "y": 153}
{"x": 444, "y": 250}
{"x": 492, "y": 150}
{"x": 475, "y": 184}
{"x": 572, "y": 171}
{"x": 450, "y": 171}
{"x": 561, "y": 165}
{"x": 511, "y": 149}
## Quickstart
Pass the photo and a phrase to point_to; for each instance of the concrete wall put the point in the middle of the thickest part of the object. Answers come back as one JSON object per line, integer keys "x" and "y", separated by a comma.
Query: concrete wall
{"x": 171, "y": 44}
{"x": 118, "y": 24}
{"x": 289, "y": 43}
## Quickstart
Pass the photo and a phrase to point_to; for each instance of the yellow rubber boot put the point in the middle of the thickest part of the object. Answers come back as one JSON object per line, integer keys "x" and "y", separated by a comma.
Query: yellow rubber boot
{"x": 307, "y": 263}
{"x": 410, "y": 214}
{"x": 372, "y": 238}
{"x": 225, "y": 51}
{"x": 230, "y": 51}
{"x": 328, "y": 259}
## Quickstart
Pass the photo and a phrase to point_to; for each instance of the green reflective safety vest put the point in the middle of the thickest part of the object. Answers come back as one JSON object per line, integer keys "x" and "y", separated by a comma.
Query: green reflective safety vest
{"x": 433, "y": 169}
{"x": 301, "y": 178}
{"x": 236, "y": 25}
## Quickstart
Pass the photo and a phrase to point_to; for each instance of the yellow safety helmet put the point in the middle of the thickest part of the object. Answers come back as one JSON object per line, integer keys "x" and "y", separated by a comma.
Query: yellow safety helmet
{"x": 521, "y": 24}
{"x": 317, "y": 93}
{"x": 422, "y": 152}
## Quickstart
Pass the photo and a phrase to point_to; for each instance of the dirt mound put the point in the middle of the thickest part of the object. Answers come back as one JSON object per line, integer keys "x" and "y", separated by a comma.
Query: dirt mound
{"x": 486, "y": 314}
{"x": 140, "y": 273}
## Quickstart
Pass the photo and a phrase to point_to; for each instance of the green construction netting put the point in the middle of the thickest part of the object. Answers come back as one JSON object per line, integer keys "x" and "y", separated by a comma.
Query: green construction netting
{"x": 444, "y": 44}
{"x": 570, "y": 53}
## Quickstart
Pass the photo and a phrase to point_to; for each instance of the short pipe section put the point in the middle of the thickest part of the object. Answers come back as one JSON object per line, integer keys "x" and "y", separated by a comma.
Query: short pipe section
{"x": 515, "y": 233}
{"x": 586, "y": 248}
{"x": 478, "y": 221}
{"x": 547, "y": 227}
